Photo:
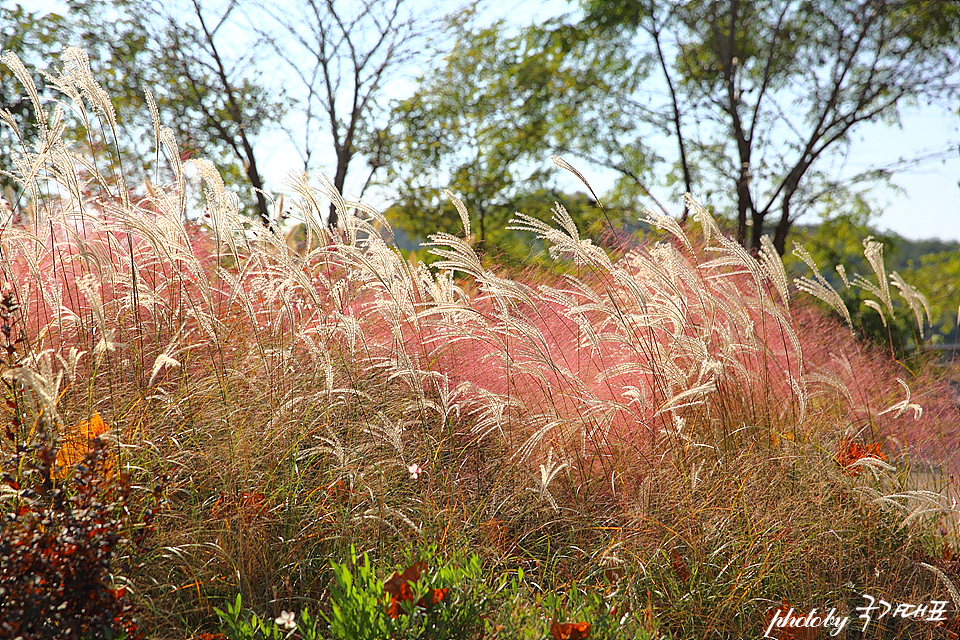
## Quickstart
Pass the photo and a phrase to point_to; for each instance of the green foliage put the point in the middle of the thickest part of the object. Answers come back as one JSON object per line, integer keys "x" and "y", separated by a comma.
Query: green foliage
{"x": 132, "y": 47}
{"x": 357, "y": 611}
{"x": 938, "y": 275}
{"x": 837, "y": 244}
{"x": 256, "y": 628}
{"x": 31, "y": 35}
{"x": 485, "y": 122}
{"x": 473, "y": 605}
{"x": 449, "y": 601}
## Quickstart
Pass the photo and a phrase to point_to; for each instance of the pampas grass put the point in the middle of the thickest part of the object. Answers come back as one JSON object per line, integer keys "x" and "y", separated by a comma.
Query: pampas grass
{"x": 670, "y": 409}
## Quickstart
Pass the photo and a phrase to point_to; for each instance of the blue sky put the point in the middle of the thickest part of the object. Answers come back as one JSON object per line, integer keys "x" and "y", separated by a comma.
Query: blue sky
{"x": 930, "y": 206}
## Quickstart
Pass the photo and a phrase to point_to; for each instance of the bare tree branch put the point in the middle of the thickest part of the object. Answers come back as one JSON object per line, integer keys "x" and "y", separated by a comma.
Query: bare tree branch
{"x": 354, "y": 48}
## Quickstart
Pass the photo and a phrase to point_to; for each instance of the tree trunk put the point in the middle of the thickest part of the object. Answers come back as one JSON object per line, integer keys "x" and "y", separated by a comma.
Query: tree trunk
{"x": 758, "y": 218}
{"x": 790, "y": 185}
{"x": 677, "y": 126}
{"x": 236, "y": 114}
{"x": 744, "y": 201}
{"x": 783, "y": 227}
{"x": 254, "y": 176}
{"x": 339, "y": 179}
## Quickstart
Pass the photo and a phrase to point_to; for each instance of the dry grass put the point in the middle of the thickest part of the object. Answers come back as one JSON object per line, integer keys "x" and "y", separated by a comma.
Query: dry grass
{"x": 671, "y": 412}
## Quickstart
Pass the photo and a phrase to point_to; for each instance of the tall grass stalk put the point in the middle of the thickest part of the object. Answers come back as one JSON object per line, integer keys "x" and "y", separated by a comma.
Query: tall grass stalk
{"x": 671, "y": 410}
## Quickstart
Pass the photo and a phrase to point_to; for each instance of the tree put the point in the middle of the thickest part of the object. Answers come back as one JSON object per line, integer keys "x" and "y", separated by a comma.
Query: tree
{"x": 938, "y": 275}
{"x": 761, "y": 92}
{"x": 32, "y": 44}
{"x": 242, "y": 107}
{"x": 484, "y": 123}
{"x": 344, "y": 54}
{"x": 836, "y": 246}
{"x": 29, "y": 35}
{"x": 217, "y": 105}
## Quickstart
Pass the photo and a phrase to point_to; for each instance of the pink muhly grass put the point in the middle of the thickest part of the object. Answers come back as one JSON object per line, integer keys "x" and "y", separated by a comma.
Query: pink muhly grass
{"x": 673, "y": 343}
{"x": 667, "y": 342}
{"x": 860, "y": 384}
{"x": 612, "y": 352}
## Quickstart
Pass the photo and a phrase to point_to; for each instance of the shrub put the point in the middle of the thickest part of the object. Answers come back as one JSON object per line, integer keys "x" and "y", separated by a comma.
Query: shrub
{"x": 59, "y": 541}
{"x": 424, "y": 601}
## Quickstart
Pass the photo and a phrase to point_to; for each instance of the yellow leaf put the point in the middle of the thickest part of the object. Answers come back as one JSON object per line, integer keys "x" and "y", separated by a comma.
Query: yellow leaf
{"x": 76, "y": 444}
{"x": 92, "y": 428}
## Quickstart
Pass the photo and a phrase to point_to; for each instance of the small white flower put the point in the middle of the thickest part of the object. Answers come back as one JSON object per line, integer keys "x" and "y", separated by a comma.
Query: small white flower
{"x": 415, "y": 471}
{"x": 286, "y": 620}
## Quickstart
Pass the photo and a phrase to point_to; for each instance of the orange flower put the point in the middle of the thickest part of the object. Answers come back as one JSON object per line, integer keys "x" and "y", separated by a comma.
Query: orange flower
{"x": 397, "y": 587}
{"x": 570, "y": 630}
{"x": 849, "y": 451}
{"x": 76, "y": 443}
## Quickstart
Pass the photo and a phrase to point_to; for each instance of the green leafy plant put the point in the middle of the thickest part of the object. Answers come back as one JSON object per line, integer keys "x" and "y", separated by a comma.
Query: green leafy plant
{"x": 356, "y": 609}
{"x": 256, "y": 628}
{"x": 426, "y": 600}
{"x": 447, "y": 600}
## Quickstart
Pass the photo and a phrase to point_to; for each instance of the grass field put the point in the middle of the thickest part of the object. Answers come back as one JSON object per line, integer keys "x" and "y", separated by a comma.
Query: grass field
{"x": 667, "y": 439}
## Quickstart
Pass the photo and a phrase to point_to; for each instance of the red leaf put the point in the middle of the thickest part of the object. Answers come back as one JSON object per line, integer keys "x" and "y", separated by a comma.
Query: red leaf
{"x": 398, "y": 587}
{"x": 679, "y": 566}
{"x": 398, "y": 581}
{"x": 340, "y": 491}
{"x": 435, "y": 596}
{"x": 849, "y": 451}
{"x": 393, "y": 609}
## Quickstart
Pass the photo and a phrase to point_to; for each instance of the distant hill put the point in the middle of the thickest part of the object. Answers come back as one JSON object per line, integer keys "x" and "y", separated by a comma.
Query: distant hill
{"x": 907, "y": 251}
{"x": 900, "y": 252}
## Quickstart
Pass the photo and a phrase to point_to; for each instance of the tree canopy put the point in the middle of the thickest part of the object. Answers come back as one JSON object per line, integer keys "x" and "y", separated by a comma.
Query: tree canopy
{"x": 215, "y": 103}
{"x": 743, "y": 103}
{"x": 760, "y": 92}
{"x": 344, "y": 54}
{"x": 215, "y": 69}
{"x": 484, "y": 123}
